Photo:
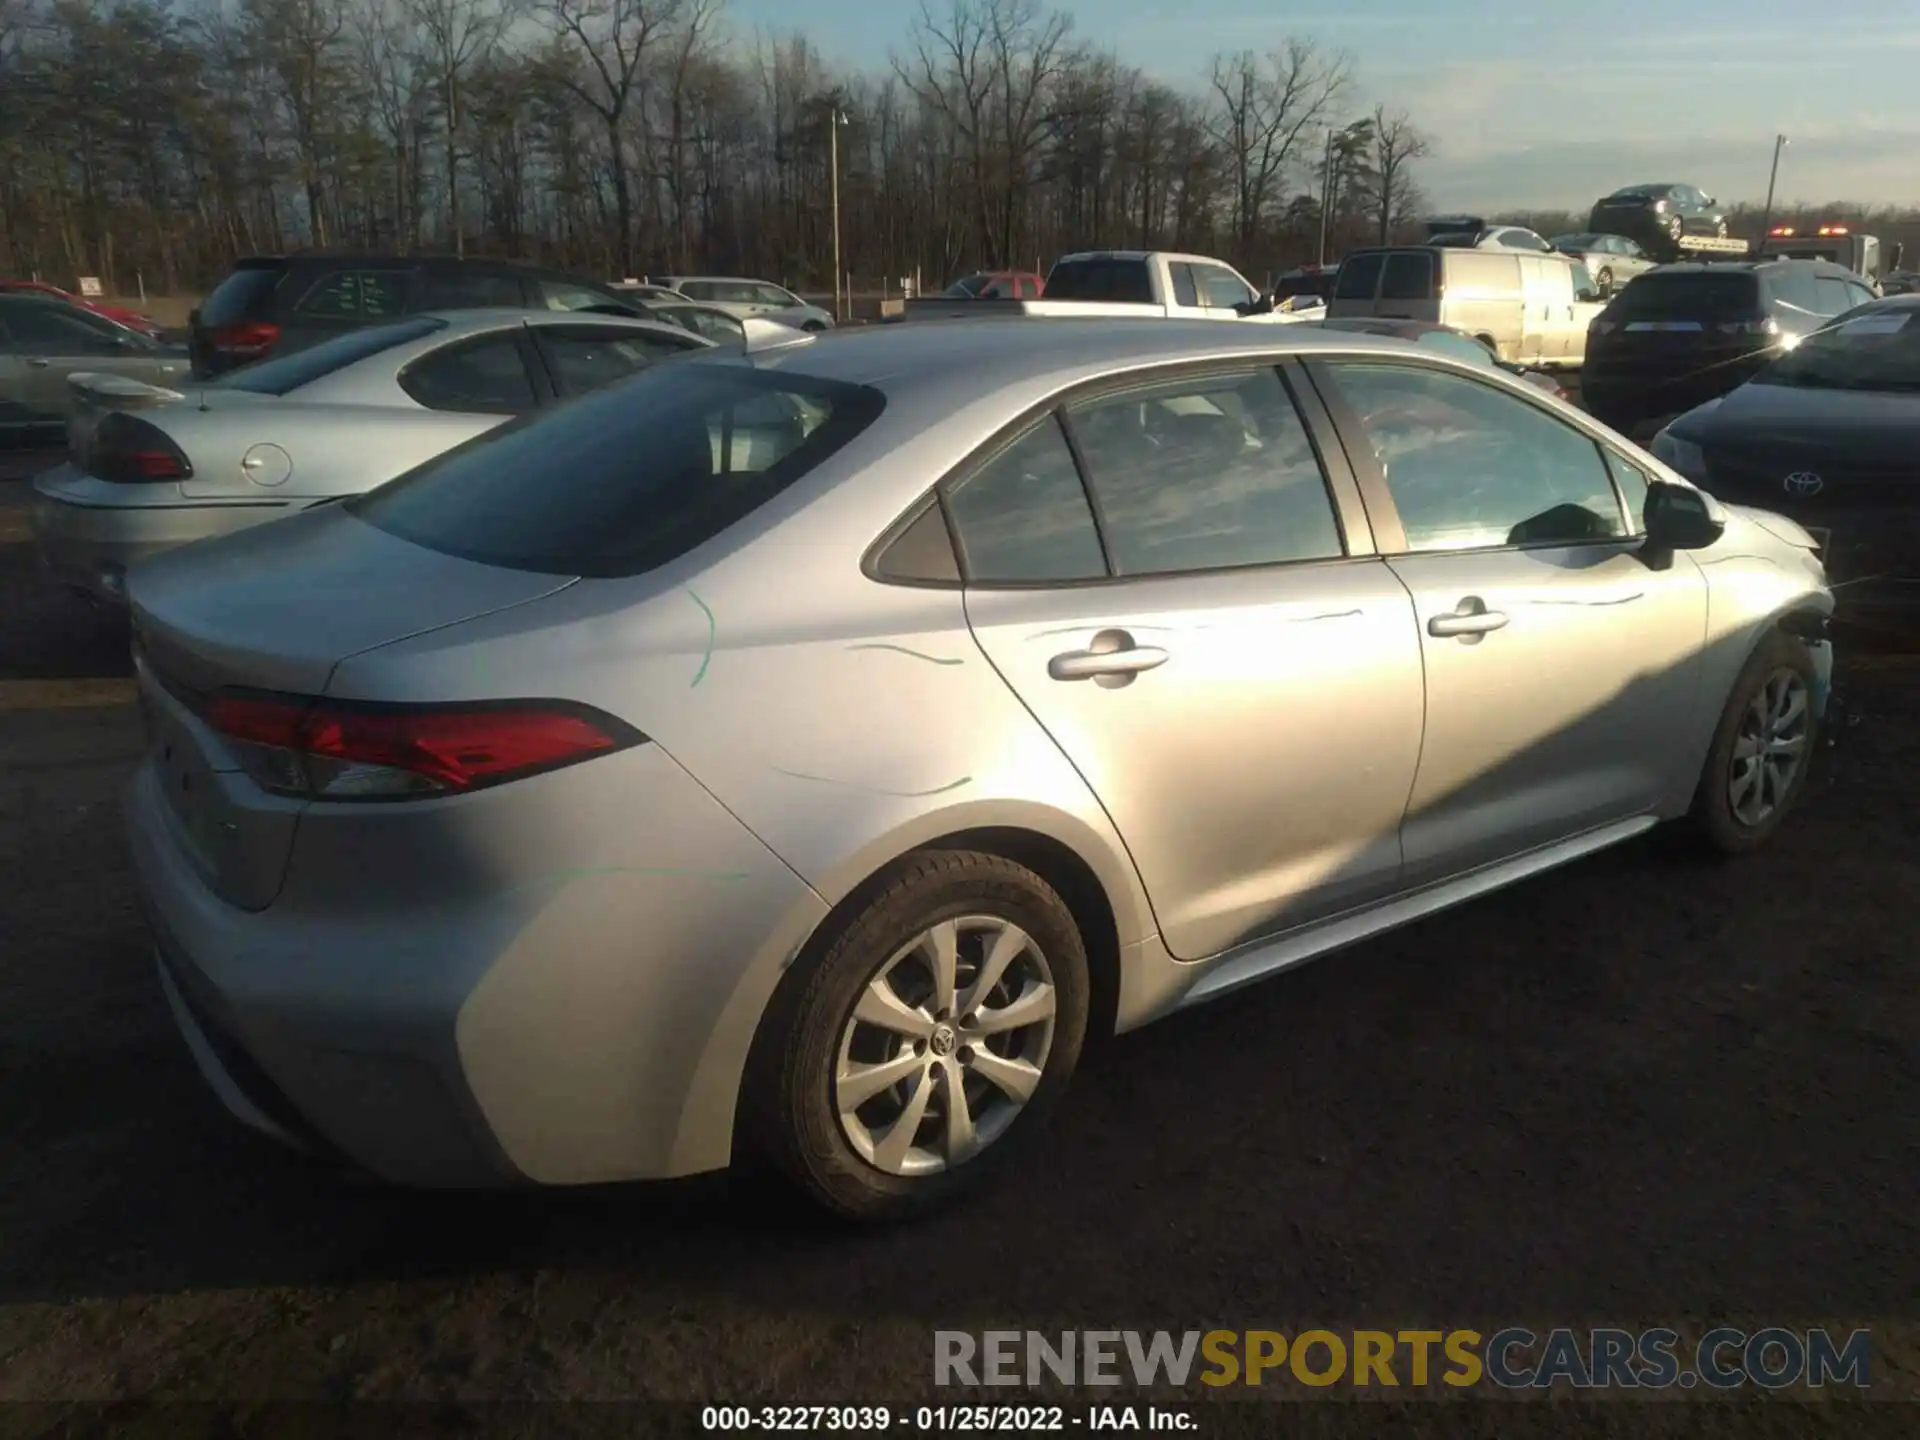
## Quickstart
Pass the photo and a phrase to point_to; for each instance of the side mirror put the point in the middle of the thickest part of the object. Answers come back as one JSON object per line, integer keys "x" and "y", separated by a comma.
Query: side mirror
{"x": 1678, "y": 517}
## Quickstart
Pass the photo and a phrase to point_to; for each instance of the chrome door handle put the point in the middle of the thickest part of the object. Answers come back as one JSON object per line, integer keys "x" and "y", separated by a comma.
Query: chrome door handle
{"x": 1110, "y": 660}
{"x": 1472, "y": 618}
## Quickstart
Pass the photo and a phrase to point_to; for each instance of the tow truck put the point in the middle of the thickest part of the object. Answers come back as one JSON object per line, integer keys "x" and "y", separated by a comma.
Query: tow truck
{"x": 1836, "y": 243}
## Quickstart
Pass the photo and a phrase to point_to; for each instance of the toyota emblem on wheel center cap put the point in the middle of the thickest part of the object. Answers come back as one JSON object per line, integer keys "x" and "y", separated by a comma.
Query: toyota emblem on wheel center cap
{"x": 1802, "y": 482}
{"x": 944, "y": 1040}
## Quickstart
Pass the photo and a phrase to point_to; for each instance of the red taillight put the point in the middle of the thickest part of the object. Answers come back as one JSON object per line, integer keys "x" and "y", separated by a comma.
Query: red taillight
{"x": 253, "y": 339}
{"x": 128, "y": 451}
{"x": 334, "y": 750}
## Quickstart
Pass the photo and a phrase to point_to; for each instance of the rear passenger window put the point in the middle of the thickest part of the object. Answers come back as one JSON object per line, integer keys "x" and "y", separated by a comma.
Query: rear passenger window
{"x": 1833, "y": 295}
{"x": 484, "y": 377}
{"x": 1359, "y": 277}
{"x": 1023, "y": 517}
{"x": 357, "y": 295}
{"x": 1794, "y": 286}
{"x": 583, "y": 360}
{"x": 1408, "y": 277}
{"x": 1206, "y": 474}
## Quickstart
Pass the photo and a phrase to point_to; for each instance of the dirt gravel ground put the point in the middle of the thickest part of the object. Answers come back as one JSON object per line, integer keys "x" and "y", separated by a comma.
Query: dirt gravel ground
{"x": 1642, "y": 1090}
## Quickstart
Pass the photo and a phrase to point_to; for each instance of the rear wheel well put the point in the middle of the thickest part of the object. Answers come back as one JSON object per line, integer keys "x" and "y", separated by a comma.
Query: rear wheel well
{"x": 1056, "y": 863}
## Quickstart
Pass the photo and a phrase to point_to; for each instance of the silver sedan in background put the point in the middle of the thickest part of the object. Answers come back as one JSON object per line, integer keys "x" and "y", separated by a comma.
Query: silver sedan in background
{"x": 803, "y": 752}
{"x": 45, "y": 341}
{"x": 152, "y": 467}
{"x": 1612, "y": 260}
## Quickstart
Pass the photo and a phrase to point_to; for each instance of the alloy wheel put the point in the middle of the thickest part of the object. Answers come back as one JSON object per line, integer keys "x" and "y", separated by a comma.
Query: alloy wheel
{"x": 1770, "y": 747}
{"x": 945, "y": 1046}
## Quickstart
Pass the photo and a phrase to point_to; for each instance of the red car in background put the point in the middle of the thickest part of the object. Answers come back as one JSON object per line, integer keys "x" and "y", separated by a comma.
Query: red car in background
{"x": 997, "y": 285}
{"x": 132, "y": 319}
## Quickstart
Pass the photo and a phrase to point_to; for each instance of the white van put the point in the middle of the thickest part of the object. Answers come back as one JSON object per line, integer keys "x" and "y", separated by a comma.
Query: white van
{"x": 1528, "y": 309}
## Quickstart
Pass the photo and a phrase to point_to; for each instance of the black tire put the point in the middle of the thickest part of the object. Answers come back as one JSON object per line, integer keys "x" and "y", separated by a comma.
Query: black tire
{"x": 813, "y": 327}
{"x": 1713, "y": 818}
{"x": 1604, "y": 280}
{"x": 789, "y": 1114}
{"x": 1676, "y": 228}
{"x": 1720, "y": 229}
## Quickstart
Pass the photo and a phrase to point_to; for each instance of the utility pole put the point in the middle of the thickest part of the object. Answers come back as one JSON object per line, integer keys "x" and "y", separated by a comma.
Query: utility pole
{"x": 835, "y": 119}
{"x": 1766, "y": 220}
{"x": 1326, "y": 196}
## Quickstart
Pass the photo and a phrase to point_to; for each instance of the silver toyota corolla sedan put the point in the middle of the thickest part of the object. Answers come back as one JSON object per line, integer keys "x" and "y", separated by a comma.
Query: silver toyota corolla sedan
{"x": 801, "y": 751}
{"x": 151, "y": 467}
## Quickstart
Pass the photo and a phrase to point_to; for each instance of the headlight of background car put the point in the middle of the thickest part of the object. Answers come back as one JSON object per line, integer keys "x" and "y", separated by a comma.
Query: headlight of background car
{"x": 1682, "y": 455}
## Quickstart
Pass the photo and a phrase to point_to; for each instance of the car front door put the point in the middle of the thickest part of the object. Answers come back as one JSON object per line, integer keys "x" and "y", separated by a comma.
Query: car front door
{"x": 50, "y": 343}
{"x": 1561, "y": 668}
{"x": 1218, "y": 653}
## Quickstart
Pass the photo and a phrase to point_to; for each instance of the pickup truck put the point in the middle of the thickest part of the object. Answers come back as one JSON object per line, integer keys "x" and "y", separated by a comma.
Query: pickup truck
{"x": 1128, "y": 283}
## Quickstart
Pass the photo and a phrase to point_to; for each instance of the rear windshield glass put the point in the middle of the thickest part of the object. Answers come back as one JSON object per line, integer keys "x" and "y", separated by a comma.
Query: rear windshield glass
{"x": 1709, "y": 299}
{"x": 1116, "y": 280}
{"x": 241, "y": 296}
{"x": 284, "y": 374}
{"x": 626, "y": 478}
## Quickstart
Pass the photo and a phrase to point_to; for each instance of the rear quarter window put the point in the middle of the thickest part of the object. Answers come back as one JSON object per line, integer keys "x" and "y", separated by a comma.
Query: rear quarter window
{"x": 1359, "y": 277}
{"x": 1408, "y": 276}
{"x": 628, "y": 478}
{"x": 287, "y": 373}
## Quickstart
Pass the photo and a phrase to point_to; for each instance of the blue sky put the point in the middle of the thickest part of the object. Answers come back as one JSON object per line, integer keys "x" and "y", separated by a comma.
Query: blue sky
{"x": 1544, "y": 103}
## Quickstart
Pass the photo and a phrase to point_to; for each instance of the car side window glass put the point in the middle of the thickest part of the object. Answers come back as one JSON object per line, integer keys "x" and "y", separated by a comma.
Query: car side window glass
{"x": 585, "y": 360}
{"x": 1632, "y": 482}
{"x": 356, "y": 295}
{"x": 1023, "y": 516}
{"x": 1185, "y": 292}
{"x": 1471, "y": 467}
{"x": 719, "y": 327}
{"x": 559, "y": 295}
{"x": 1408, "y": 276}
{"x": 774, "y": 295}
{"x": 1794, "y": 287}
{"x": 1206, "y": 474}
{"x": 1359, "y": 276}
{"x": 483, "y": 377}
{"x": 44, "y": 327}
{"x": 469, "y": 290}
{"x": 1222, "y": 288}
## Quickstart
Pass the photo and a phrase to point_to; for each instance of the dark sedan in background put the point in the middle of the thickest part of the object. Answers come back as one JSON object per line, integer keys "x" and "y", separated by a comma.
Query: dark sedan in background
{"x": 1657, "y": 216}
{"x": 1829, "y": 435}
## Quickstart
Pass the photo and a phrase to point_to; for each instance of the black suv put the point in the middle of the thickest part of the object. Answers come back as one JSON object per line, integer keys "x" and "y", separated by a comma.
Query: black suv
{"x": 1658, "y": 215}
{"x": 1682, "y": 335}
{"x": 271, "y": 304}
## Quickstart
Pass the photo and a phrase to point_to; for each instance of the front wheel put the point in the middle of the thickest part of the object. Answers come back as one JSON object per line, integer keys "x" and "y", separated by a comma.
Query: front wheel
{"x": 1604, "y": 280}
{"x": 1762, "y": 749}
{"x": 813, "y": 327}
{"x": 1720, "y": 230}
{"x": 927, "y": 1043}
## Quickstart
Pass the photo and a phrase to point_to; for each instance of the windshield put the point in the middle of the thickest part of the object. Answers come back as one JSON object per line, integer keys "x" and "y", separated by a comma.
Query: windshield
{"x": 284, "y": 374}
{"x": 624, "y": 479}
{"x": 968, "y": 288}
{"x": 1876, "y": 347}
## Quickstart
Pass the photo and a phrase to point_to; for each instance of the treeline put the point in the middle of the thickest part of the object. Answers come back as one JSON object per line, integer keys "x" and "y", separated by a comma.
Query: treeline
{"x": 141, "y": 138}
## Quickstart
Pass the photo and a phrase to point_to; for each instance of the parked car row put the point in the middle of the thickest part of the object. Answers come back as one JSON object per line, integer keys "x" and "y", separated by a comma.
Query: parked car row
{"x": 801, "y": 751}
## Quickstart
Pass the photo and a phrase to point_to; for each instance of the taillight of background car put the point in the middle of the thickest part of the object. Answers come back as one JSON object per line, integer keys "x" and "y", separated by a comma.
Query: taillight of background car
{"x": 244, "y": 342}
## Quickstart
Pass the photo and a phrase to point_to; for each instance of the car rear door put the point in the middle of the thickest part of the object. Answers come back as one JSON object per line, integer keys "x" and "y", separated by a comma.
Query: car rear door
{"x": 1219, "y": 654}
{"x": 1539, "y": 327}
{"x": 1562, "y": 672}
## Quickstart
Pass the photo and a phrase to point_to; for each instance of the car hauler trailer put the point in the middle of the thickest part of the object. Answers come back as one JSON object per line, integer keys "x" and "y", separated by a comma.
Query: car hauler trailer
{"x": 1839, "y": 244}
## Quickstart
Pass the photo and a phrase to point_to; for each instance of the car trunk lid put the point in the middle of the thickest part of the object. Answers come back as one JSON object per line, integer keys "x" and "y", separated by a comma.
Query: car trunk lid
{"x": 277, "y": 609}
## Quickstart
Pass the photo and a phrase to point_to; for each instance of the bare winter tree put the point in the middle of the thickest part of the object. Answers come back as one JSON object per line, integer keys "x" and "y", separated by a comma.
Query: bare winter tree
{"x": 1269, "y": 109}
{"x": 457, "y": 35}
{"x": 607, "y": 43}
{"x": 1397, "y": 144}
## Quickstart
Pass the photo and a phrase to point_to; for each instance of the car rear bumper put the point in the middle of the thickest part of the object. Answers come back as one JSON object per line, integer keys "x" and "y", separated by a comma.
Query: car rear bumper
{"x": 576, "y": 1027}
{"x": 86, "y": 540}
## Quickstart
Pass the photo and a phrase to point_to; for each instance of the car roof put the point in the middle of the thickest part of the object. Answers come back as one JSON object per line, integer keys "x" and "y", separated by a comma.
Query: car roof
{"x": 1748, "y": 267}
{"x": 982, "y": 356}
{"x": 468, "y": 322}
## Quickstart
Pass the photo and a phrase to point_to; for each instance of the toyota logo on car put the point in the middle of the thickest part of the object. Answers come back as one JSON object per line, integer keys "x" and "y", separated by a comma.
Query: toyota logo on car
{"x": 1802, "y": 482}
